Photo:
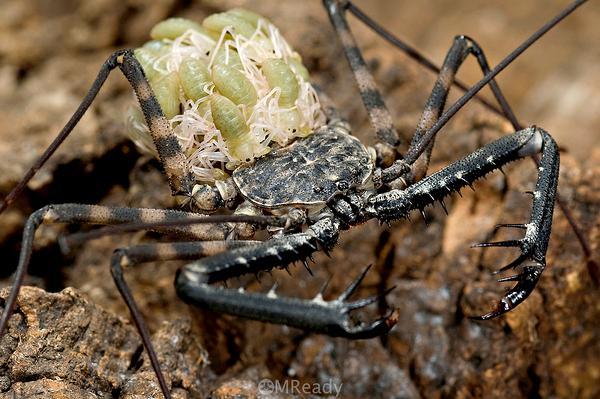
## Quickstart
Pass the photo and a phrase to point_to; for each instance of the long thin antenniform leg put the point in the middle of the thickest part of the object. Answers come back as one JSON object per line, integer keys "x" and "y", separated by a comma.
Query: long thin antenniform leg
{"x": 126, "y": 257}
{"x": 416, "y": 151}
{"x": 379, "y": 115}
{"x": 175, "y": 224}
{"x": 170, "y": 153}
{"x": 407, "y": 173}
{"x": 461, "y": 48}
{"x": 397, "y": 204}
{"x": 315, "y": 315}
{"x": 94, "y": 214}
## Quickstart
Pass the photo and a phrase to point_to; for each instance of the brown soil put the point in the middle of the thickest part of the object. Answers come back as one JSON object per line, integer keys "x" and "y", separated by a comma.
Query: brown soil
{"x": 79, "y": 342}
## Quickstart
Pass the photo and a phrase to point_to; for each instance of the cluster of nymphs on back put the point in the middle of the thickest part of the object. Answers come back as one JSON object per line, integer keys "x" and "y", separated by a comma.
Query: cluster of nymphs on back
{"x": 232, "y": 89}
{"x": 228, "y": 109}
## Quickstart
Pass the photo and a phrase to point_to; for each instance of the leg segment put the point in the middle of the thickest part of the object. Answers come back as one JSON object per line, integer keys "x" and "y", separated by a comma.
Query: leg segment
{"x": 379, "y": 115}
{"x": 93, "y": 214}
{"x": 170, "y": 153}
{"x": 397, "y": 204}
{"x": 154, "y": 252}
{"x": 314, "y": 315}
{"x": 461, "y": 48}
{"x": 413, "y": 52}
{"x": 537, "y": 233}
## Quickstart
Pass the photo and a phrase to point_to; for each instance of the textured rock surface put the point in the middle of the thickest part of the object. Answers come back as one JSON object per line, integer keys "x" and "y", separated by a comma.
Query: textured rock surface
{"x": 64, "y": 345}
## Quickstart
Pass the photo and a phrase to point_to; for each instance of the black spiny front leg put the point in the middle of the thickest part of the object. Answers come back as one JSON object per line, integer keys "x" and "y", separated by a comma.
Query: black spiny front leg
{"x": 315, "y": 315}
{"x": 534, "y": 244}
{"x": 397, "y": 204}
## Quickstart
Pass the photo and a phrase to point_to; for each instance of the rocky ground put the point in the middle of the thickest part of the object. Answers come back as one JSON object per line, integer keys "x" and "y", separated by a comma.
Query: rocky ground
{"x": 78, "y": 342}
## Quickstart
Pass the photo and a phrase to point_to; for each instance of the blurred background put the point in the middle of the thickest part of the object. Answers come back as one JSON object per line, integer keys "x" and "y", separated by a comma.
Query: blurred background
{"x": 555, "y": 84}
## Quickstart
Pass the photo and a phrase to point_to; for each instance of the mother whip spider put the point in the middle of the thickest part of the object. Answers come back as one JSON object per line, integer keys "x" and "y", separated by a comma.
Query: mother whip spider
{"x": 304, "y": 190}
